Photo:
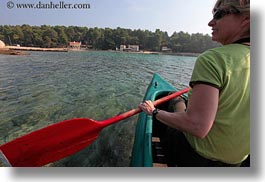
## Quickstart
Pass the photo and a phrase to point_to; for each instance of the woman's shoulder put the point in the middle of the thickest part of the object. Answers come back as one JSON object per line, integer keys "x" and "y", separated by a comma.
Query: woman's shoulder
{"x": 226, "y": 50}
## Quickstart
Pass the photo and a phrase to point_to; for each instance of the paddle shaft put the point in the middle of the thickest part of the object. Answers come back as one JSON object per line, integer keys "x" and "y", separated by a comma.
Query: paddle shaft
{"x": 61, "y": 139}
{"x": 136, "y": 111}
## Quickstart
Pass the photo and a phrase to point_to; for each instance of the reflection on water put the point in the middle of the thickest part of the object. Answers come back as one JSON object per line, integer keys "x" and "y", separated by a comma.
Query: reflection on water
{"x": 44, "y": 88}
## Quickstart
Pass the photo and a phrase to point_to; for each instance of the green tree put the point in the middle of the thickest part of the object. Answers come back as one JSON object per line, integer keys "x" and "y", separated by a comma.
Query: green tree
{"x": 28, "y": 35}
{"x": 121, "y": 36}
{"x": 97, "y": 38}
{"x": 37, "y": 36}
{"x": 50, "y": 37}
{"x": 18, "y": 35}
{"x": 62, "y": 37}
{"x": 47, "y": 41}
{"x": 70, "y": 32}
{"x": 108, "y": 42}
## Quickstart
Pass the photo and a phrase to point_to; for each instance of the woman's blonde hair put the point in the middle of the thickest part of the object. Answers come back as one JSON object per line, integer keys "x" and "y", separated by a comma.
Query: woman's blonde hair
{"x": 241, "y": 5}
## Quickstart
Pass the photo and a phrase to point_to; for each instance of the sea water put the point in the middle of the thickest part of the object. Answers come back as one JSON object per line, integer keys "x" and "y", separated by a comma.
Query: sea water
{"x": 43, "y": 88}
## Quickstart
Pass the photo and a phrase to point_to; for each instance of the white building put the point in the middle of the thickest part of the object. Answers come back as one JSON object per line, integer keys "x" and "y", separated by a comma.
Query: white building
{"x": 122, "y": 47}
{"x": 134, "y": 48}
{"x": 166, "y": 49}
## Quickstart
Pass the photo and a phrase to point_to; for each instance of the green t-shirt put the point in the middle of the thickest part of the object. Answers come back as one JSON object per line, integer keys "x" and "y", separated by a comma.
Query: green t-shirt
{"x": 228, "y": 69}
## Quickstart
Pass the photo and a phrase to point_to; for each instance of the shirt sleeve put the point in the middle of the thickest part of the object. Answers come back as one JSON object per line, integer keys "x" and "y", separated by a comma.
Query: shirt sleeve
{"x": 208, "y": 69}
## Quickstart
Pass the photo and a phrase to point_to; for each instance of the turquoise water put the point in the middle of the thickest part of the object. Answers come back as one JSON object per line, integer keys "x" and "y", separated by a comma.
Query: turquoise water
{"x": 47, "y": 87}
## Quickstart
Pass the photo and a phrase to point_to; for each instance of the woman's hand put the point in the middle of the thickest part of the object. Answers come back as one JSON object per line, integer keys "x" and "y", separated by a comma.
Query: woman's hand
{"x": 147, "y": 106}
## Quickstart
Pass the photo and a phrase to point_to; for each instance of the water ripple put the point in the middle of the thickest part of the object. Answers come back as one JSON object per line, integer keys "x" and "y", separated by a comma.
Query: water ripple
{"x": 45, "y": 88}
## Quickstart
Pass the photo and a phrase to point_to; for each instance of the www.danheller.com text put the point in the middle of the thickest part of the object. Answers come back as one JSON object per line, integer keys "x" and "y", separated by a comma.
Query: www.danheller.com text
{"x": 47, "y": 5}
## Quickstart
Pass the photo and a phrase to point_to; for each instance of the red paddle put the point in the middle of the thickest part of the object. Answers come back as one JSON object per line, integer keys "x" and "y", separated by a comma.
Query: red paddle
{"x": 61, "y": 139}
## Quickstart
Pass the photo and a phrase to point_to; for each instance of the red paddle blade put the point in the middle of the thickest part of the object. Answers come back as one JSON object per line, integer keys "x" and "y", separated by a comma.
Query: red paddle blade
{"x": 62, "y": 139}
{"x": 51, "y": 143}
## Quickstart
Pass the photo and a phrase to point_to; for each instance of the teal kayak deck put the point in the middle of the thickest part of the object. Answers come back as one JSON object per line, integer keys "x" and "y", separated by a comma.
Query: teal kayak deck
{"x": 142, "y": 148}
{"x": 144, "y": 153}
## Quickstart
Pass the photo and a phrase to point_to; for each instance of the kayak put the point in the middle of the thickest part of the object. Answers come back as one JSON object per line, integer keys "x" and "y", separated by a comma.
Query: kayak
{"x": 147, "y": 151}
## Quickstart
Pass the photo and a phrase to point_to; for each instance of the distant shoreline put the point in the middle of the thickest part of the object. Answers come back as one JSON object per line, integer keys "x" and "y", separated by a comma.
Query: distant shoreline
{"x": 180, "y": 54}
{"x": 164, "y": 53}
{"x": 19, "y": 48}
{"x": 7, "y": 51}
{"x": 15, "y": 50}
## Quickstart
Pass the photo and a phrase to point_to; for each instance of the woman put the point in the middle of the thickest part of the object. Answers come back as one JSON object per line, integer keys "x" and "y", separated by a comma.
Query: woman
{"x": 214, "y": 130}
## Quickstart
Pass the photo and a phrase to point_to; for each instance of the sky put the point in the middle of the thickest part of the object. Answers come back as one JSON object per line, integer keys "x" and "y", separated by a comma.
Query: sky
{"x": 190, "y": 16}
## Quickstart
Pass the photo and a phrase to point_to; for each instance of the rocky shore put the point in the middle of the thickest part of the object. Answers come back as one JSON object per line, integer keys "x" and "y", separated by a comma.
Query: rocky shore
{"x": 14, "y": 50}
{"x": 20, "y": 48}
{"x": 7, "y": 51}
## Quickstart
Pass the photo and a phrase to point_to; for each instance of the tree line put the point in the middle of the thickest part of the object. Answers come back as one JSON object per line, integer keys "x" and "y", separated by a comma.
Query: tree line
{"x": 104, "y": 39}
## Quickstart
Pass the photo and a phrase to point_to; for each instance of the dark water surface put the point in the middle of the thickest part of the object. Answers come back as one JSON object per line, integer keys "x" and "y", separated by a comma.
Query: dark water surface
{"x": 47, "y": 87}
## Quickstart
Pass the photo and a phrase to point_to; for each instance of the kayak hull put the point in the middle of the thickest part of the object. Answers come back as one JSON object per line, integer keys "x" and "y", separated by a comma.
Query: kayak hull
{"x": 142, "y": 154}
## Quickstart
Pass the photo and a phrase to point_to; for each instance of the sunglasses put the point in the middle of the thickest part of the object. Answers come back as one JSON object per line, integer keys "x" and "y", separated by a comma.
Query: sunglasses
{"x": 220, "y": 13}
